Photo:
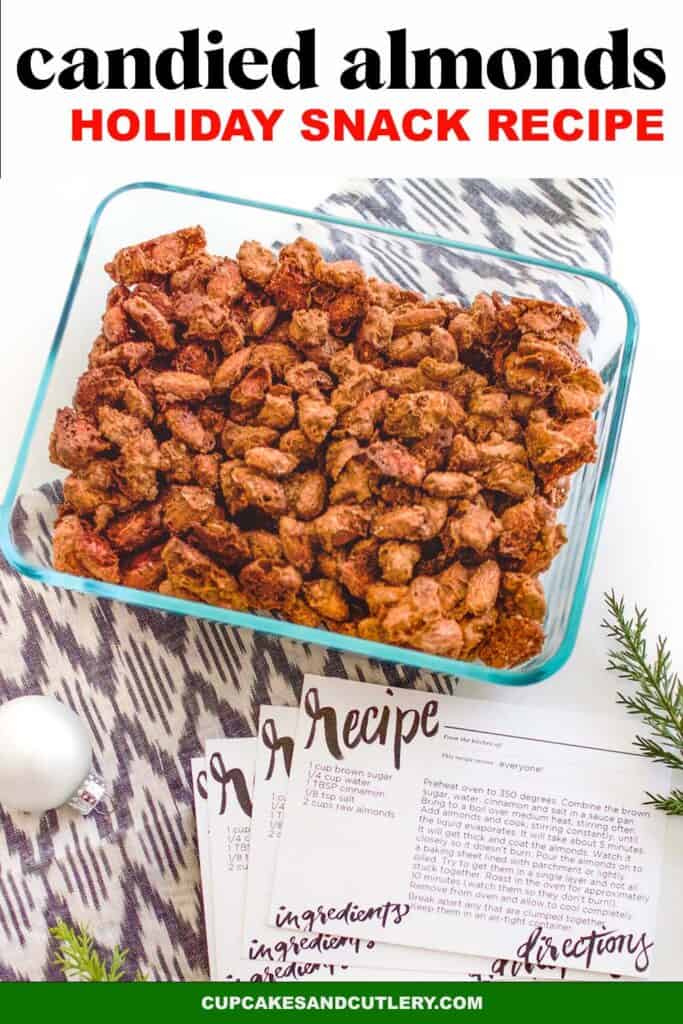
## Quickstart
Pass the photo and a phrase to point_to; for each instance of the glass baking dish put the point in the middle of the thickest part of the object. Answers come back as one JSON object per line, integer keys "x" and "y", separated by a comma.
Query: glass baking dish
{"x": 435, "y": 265}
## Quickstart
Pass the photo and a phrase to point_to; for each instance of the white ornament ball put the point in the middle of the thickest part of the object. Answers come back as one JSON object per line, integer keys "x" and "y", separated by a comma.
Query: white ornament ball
{"x": 45, "y": 753}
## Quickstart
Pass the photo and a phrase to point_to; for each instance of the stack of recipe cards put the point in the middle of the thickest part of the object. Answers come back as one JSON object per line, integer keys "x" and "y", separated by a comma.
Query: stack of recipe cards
{"x": 387, "y": 834}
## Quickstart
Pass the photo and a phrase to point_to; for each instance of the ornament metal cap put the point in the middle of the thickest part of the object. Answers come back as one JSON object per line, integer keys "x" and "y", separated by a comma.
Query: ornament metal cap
{"x": 89, "y": 793}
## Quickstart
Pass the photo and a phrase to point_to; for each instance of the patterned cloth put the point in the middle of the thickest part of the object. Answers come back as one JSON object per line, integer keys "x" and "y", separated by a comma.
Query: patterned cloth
{"x": 153, "y": 686}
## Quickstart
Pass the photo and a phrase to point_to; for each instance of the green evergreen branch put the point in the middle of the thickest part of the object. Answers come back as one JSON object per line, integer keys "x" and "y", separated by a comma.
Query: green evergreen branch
{"x": 658, "y": 699}
{"x": 80, "y": 961}
{"x": 671, "y": 804}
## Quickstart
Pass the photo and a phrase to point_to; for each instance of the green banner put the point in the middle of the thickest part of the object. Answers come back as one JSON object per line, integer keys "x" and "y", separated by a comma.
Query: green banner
{"x": 339, "y": 1001}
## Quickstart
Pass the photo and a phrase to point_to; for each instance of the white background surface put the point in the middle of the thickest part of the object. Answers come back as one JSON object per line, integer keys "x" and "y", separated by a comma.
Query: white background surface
{"x": 50, "y": 187}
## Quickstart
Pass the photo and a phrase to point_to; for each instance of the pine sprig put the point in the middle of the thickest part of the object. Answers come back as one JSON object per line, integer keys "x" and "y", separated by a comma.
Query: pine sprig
{"x": 80, "y": 961}
{"x": 658, "y": 699}
{"x": 671, "y": 804}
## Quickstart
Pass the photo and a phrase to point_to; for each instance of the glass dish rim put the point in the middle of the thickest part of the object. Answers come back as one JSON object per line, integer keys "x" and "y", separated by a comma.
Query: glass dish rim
{"x": 305, "y": 634}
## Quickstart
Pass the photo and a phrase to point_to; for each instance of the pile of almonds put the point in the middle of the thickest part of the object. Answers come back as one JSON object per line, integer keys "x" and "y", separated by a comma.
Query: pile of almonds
{"x": 282, "y": 433}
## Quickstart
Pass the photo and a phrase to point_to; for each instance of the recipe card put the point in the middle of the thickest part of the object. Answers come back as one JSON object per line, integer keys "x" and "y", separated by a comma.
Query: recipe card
{"x": 223, "y": 783}
{"x": 275, "y": 748}
{"x": 229, "y": 781}
{"x": 201, "y": 812}
{"x": 277, "y": 727}
{"x": 472, "y": 827}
